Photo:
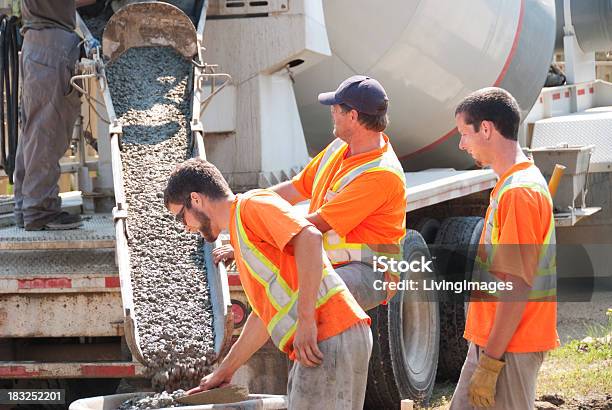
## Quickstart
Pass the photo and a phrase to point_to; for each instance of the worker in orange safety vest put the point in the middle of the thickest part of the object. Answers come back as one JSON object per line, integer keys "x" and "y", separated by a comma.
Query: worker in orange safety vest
{"x": 509, "y": 330}
{"x": 297, "y": 298}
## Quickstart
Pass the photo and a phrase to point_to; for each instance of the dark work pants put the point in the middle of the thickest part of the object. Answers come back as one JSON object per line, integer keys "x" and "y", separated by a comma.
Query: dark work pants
{"x": 49, "y": 109}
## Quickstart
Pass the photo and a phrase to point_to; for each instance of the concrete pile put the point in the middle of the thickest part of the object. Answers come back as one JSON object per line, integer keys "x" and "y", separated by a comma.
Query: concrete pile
{"x": 156, "y": 401}
{"x": 150, "y": 92}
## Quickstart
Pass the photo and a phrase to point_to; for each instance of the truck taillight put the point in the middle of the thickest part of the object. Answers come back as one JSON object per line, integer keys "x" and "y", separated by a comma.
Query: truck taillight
{"x": 240, "y": 311}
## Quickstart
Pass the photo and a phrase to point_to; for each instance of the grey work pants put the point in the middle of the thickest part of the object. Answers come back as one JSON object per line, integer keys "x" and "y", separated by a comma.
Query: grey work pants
{"x": 339, "y": 382}
{"x": 359, "y": 278}
{"x": 516, "y": 385}
{"x": 49, "y": 109}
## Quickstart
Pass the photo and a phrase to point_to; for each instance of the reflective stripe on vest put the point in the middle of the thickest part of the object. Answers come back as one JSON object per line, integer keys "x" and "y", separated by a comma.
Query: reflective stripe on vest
{"x": 282, "y": 326}
{"x": 545, "y": 280}
{"x": 331, "y": 153}
{"x": 337, "y": 248}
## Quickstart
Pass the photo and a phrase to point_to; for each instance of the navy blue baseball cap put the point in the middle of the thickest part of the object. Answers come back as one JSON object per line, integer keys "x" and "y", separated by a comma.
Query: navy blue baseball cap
{"x": 361, "y": 93}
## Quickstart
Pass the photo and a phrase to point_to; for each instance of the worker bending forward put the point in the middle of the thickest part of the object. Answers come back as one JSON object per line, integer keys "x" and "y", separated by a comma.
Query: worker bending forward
{"x": 297, "y": 298}
{"x": 509, "y": 331}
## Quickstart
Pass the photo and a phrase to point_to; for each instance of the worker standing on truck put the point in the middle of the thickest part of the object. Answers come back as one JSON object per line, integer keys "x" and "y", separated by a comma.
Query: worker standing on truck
{"x": 356, "y": 188}
{"x": 298, "y": 300}
{"x": 509, "y": 331}
{"x": 49, "y": 109}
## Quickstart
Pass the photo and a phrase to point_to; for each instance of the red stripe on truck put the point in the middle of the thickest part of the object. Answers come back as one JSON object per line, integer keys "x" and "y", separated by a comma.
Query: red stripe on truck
{"x": 44, "y": 283}
{"x": 108, "y": 371}
{"x": 233, "y": 280}
{"x": 112, "y": 282}
{"x": 510, "y": 57}
{"x": 16, "y": 371}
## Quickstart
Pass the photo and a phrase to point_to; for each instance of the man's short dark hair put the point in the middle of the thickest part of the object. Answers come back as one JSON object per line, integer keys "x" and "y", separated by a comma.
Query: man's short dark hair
{"x": 195, "y": 175}
{"x": 376, "y": 123}
{"x": 492, "y": 104}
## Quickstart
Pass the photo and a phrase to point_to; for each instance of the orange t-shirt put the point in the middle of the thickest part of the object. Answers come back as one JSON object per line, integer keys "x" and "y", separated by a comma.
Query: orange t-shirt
{"x": 370, "y": 210}
{"x": 524, "y": 216}
{"x": 270, "y": 223}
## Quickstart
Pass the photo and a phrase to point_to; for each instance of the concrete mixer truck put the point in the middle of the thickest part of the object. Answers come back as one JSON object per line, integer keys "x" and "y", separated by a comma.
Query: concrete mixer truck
{"x": 258, "y": 67}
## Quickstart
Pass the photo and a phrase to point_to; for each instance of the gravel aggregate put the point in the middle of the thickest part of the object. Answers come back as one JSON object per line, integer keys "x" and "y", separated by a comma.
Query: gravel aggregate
{"x": 156, "y": 401}
{"x": 96, "y": 24}
{"x": 150, "y": 92}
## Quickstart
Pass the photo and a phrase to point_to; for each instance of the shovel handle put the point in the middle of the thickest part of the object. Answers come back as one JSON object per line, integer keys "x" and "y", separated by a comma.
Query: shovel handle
{"x": 553, "y": 184}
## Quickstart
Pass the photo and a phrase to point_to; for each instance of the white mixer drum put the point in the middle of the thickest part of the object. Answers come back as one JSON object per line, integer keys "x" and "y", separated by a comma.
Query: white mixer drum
{"x": 429, "y": 55}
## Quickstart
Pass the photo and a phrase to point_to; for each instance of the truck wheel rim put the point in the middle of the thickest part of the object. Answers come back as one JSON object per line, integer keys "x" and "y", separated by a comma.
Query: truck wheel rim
{"x": 416, "y": 329}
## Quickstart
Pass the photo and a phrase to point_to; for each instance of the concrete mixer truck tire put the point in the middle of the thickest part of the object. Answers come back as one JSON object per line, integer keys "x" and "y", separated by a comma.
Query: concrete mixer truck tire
{"x": 406, "y": 338}
{"x": 427, "y": 227}
{"x": 454, "y": 250}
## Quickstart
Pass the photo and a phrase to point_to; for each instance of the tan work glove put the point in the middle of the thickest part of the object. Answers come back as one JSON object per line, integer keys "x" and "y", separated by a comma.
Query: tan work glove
{"x": 481, "y": 390}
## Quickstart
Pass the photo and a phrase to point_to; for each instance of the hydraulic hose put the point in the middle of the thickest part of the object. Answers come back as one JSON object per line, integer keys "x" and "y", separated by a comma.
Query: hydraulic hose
{"x": 9, "y": 93}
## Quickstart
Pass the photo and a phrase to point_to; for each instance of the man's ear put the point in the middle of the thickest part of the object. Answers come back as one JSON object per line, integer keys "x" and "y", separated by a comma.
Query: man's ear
{"x": 487, "y": 128}
{"x": 195, "y": 197}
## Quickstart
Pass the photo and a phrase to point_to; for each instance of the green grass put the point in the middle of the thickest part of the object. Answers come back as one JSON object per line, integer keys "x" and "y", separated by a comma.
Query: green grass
{"x": 441, "y": 396}
{"x": 572, "y": 370}
{"x": 585, "y": 353}
{"x": 579, "y": 368}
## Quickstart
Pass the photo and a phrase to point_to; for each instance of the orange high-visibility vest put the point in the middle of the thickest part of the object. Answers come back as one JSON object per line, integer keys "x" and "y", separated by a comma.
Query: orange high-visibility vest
{"x": 537, "y": 328}
{"x": 337, "y": 248}
{"x": 270, "y": 295}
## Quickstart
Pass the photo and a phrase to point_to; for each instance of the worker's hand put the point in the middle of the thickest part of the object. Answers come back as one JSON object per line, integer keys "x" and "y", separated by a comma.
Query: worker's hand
{"x": 305, "y": 343}
{"x": 389, "y": 278}
{"x": 223, "y": 253}
{"x": 218, "y": 378}
{"x": 481, "y": 390}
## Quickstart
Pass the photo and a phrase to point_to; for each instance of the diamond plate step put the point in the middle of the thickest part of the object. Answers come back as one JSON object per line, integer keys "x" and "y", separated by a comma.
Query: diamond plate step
{"x": 54, "y": 262}
{"x": 591, "y": 126}
{"x": 58, "y": 271}
{"x": 97, "y": 232}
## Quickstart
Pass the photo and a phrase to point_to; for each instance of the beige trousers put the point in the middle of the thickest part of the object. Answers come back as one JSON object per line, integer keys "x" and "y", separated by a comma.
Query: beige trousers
{"x": 516, "y": 385}
{"x": 339, "y": 383}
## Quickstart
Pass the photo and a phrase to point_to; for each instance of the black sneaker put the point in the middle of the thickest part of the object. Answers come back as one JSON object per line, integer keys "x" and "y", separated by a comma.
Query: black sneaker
{"x": 61, "y": 221}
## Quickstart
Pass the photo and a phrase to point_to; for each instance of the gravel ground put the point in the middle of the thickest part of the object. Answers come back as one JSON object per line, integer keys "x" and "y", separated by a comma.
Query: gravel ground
{"x": 149, "y": 87}
{"x": 575, "y": 320}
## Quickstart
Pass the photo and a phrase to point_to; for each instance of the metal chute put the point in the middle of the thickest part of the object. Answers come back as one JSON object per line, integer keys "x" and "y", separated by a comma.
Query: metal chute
{"x": 149, "y": 24}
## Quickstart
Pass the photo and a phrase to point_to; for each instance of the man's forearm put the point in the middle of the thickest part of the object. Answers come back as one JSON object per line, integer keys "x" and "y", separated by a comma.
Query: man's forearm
{"x": 507, "y": 318}
{"x": 508, "y": 315}
{"x": 308, "y": 250}
{"x": 288, "y": 192}
{"x": 254, "y": 335}
{"x": 317, "y": 220}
